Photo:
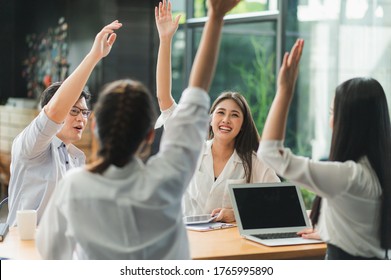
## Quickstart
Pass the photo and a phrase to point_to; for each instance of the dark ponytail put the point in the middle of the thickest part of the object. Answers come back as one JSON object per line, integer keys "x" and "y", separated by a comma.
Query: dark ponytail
{"x": 124, "y": 115}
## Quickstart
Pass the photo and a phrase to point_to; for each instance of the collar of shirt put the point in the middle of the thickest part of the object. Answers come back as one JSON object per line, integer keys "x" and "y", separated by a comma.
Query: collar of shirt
{"x": 208, "y": 151}
{"x": 229, "y": 168}
{"x": 74, "y": 152}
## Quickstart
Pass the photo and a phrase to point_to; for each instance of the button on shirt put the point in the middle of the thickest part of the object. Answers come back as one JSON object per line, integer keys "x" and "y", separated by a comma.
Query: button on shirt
{"x": 39, "y": 160}
{"x": 132, "y": 212}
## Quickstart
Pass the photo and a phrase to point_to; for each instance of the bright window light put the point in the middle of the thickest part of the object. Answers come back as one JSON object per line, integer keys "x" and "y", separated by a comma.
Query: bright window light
{"x": 356, "y": 9}
{"x": 379, "y": 13}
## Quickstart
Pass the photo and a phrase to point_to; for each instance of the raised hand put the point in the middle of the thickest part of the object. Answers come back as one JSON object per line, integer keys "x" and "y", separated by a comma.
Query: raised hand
{"x": 218, "y": 8}
{"x": 275, "y": 124}
{"x": 165, "y": 24}
{"x": 289, "y": 69}
{"x": 104, "y": 40}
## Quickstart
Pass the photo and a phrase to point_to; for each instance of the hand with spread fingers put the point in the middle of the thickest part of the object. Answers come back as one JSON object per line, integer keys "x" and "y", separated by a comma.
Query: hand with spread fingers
{"x": 166, "y": 25}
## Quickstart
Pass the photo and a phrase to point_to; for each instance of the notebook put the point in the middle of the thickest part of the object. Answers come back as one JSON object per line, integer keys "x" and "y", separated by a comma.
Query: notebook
{"x": 270, "y": 213}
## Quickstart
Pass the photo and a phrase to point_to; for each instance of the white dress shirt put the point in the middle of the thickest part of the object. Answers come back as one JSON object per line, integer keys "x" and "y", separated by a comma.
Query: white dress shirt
{"x": 132, "y": 212}
{"x": 204, "y": 192}
{"x": 351, "y": 192}
{"x": 39, "y": 160}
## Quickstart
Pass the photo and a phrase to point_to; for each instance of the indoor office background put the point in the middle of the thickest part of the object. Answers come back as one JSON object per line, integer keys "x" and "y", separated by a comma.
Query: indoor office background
{"x": 343, "y": 39}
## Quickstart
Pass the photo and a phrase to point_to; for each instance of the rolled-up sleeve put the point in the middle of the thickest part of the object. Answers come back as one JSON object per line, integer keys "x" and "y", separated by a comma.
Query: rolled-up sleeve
{"x": 164, "y": 115}
{"x": 37, "y": 136}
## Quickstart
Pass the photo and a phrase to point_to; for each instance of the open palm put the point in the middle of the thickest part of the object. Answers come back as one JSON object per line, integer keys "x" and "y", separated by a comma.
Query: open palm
{"x": 166, "y": 26}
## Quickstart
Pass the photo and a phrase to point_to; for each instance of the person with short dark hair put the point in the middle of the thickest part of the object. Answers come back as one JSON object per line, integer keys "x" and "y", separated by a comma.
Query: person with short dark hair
{"x": 44, "y": 150}
{"x": 355, "y": 184}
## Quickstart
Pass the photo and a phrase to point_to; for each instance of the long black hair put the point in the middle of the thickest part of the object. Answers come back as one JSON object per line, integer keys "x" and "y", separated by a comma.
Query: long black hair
{"x": 247, "y": 140}
{"x": 362, "y": 128}
{"x": 124, "y": 115}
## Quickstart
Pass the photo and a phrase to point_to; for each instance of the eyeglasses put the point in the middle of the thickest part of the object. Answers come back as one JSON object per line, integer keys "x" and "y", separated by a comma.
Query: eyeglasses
{"x": 75, "y": 111}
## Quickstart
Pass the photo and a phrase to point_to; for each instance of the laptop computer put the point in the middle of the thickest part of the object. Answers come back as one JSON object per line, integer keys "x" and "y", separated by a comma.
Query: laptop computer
{"x": 270, "y": 213}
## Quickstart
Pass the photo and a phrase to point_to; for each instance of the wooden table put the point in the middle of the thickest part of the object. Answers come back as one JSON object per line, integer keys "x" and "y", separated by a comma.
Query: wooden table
{"x": 227, "y": 244}
{"x": 217, "y": 244}
{"x": 14, "y": 248}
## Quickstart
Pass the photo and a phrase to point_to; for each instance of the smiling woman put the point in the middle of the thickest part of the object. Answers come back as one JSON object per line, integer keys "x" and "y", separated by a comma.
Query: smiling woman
{"x": 228, "y": 154}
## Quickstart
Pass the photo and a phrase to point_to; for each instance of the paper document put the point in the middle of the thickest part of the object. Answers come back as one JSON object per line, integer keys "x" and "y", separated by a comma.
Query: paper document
{"x": 209, "y": 226}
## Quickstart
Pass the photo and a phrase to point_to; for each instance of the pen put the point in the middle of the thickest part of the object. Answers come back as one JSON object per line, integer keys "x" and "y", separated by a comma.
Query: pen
{"x": 220, "y": 226}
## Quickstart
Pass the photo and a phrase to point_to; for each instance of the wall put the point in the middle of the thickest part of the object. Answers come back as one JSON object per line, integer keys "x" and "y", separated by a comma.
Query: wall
{"x": 133, "y": 55}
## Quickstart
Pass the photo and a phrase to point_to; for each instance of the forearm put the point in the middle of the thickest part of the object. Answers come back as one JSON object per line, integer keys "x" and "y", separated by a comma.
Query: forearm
{"x": 275, "y": 124}
{"x": 206, "y": 58}
{"x": 69, "y": 92}
{"x": 163, "y": 75}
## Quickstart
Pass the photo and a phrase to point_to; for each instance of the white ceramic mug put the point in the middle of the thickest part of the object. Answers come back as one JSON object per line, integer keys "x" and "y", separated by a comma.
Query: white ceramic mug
{"x": 26, "y": 221}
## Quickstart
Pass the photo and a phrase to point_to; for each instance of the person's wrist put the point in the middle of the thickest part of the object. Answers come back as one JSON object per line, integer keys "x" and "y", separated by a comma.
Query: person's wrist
{"x": 215, "y": 16}
{"x": 93, "y": 57}
{"x": 165, "y": 39}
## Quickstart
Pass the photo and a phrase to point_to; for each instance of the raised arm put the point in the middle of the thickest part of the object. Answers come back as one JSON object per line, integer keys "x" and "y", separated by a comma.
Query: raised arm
{"x": 166, "y": 27}
{"x": 205, "y": 61}
{"x": 276, "y": 120}
{"x": 70, "y": 90}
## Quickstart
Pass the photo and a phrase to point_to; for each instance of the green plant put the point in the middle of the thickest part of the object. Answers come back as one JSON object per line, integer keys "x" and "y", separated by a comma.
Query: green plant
{"x": 308, "y": 197}
{"x": 259, "y": 82}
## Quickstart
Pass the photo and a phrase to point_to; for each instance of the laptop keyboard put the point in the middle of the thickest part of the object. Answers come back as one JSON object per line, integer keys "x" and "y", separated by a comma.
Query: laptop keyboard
{"x": 276, "y": 235}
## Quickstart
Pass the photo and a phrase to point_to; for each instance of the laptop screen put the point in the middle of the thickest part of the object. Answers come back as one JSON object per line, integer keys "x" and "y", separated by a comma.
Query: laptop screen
{"x": 269, "y": 207}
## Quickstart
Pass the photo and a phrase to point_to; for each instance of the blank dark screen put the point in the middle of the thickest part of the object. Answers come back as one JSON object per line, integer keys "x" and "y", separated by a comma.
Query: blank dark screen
{"x": 269, "y": 207}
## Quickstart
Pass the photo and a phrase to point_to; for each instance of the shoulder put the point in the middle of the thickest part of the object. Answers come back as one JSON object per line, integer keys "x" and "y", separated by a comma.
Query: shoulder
{"x": 77, "y": 175}
{"x": 262, "y": 172}
{"x": 196, "y": 96}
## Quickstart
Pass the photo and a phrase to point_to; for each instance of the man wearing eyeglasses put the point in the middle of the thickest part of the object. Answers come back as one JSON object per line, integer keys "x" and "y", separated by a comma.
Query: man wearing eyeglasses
{"x": 43, "y": 152}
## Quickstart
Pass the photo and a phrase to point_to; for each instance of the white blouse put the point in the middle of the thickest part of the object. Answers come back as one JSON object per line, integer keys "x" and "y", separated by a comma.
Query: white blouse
{"x": 205, "y": 193}
{"x": 350, "y": 211}
{"x": 132, "y": 212}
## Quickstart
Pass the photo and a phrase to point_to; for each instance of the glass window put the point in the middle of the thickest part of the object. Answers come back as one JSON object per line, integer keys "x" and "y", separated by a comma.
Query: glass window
{"x": 344, "y": 39}
{"x": 246, "y": 64}
{"x": 179, "y": 7}
{"x": 245, "y": 6}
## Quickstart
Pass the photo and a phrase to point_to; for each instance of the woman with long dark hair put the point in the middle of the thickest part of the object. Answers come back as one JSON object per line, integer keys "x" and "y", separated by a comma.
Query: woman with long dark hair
{"x": 354, "y": 216}
{"x": 230, "y": 151}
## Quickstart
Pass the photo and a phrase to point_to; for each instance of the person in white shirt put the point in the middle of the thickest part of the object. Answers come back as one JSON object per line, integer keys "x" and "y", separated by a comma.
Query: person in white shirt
{"x": 43, "y": 152}
{"x": 230, "y": 153}
{"x": 355, "y": 185}
{"x": 119, "y": 207}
